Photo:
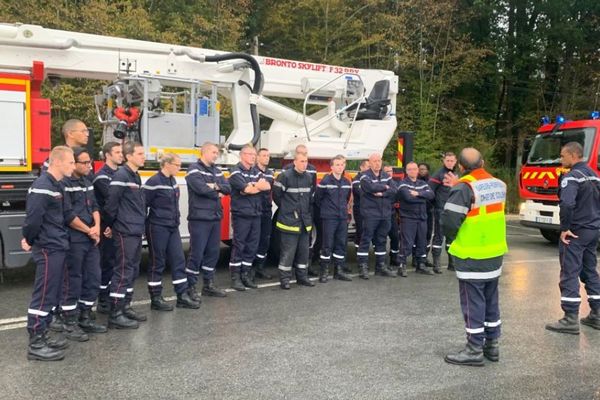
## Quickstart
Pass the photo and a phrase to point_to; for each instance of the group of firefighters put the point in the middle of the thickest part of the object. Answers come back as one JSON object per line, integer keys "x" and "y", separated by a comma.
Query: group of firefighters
{"x": 85, "y": 231}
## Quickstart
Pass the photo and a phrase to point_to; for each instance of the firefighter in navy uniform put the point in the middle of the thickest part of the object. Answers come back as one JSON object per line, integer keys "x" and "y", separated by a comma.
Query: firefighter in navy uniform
{"x": 440, "y": 184}
{"x": 378, "y": 192}
{"x": 424, "y": 176}
{"x": 161, "y": 193}
{"x": 474, "y": 218}
{"x": 113, "y": 157}
{"x": 579, "y": 195}
{"x": 293, "y": 194}
{"x": 125, "y": 211}
{"x": 332, "y": 197}
{"x": 262, "y": 163}
{"x": 83, "y": 257}
{"x": 45, "y": 235}
{"x": 364, "y": 165}
{"x": 414, "y": 194}
{"x": 394, "y": 233}
{"x": 247, "y": 186}
{"x": 206, "y": 186}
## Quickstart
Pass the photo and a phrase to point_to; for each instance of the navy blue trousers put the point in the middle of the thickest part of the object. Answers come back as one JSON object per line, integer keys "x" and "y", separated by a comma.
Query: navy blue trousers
{"x": 335, "y": 233}
{"x": 82, "y": 278}
{"x": 438, "y": 235}
{"x": 413, "y": 237}
{"x": 205, "y": 239}
{"x": 164, "y": 244}
{"x": 294, "y": 252}
{"x": 127, "y": 267}
{"x": 265, "y": 237}
{"x": 578, "y": 261}
{"x": 375, "y": 230}
{"x": 46, "y": 287}
{"x": 246, "y": 235}
{"x": 481, "y": 309}
{"x": 394, "y": 233}
{"x": 108, "y": 252}
{"x": 358, "y": 226}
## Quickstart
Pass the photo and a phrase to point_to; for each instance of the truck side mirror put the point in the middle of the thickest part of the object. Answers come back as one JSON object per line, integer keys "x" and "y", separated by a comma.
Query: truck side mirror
{"x": 526, "y": 150}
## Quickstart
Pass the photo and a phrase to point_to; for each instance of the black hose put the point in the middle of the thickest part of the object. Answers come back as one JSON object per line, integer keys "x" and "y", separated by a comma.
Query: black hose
{"x": 256, "y": 89}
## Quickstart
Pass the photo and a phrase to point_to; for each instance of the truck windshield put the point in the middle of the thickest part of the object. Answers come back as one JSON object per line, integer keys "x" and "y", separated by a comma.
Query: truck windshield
{"x": 546, "y": 147}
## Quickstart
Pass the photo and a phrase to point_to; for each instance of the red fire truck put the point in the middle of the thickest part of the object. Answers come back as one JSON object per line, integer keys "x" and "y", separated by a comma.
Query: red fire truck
{"x": 541, "y": 169}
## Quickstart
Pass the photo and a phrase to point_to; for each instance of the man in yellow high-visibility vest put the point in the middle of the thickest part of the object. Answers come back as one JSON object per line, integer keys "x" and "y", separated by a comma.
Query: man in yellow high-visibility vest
{"x": 473, "y": 218}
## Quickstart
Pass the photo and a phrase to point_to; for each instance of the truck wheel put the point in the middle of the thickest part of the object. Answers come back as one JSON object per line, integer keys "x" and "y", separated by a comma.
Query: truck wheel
{"x": 550, "y": 235}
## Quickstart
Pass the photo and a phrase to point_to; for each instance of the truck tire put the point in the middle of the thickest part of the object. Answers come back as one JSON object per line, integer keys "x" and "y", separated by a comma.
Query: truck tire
{"x": 550, "y": 235}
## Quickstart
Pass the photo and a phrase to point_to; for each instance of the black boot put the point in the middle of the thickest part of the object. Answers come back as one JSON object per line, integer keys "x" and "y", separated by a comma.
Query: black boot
{"x": 347, "y": 269}
{"x": 260, "y": 272}
{"x": 414, "y": 262}
{"x": 402, "y": 270}
{"x": 56, "y": 340}
{"x": 118, "y": 320}
{"x": 236, "y": 281}
{"x": 39, "y": 349}
{"x": 194, "y": 295}
{"x": 247, "y": 280}
{"x": 209, "y": 289}
{"x": 593, "y": 319}
{"x": 302, "y": 277}
{"x": 324, "y": 272}
{"x": 491, "y": 349}
{"x": 72, "y": 329}
{"x": 363, "y": 271}
{"x": 87, "y": 324}
{"x": 394, "y": 259}
{"x": 471, "y": 355}
{"x": 57, "y": 322}
{"x": 103, "y": 306}
{"x": 423, "y": 269}
{"x": 133, "y": 314}
{"x": 284, "y": 278}
{"x": 184, "y": 300}
{"x": 437, "y": 268}
{"x": 340, "y": 274}
{"x": 158, "y": 303}
{"x": 567, "y": 324}
{"x": 383, "y": 270}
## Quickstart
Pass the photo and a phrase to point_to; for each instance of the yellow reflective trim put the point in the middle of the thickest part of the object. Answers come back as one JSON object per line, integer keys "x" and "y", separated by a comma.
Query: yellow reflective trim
{"x": 309, "y": 228}
{"x": 287, "y": 227}
{"x": 526, "y": 175}
{"x": 533, "y": 174}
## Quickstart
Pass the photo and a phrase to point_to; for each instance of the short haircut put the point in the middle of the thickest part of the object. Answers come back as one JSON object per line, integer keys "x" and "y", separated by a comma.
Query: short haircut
{"x": 129, "y": 148}
{"x": 448, "y": 154}
{"x": 297, "y": 155}
{"x": 108, "y": 147}
{"x": 364, "y": 162}
{"x": 412, "y": 162}
{"x": 337, "y": 157}
{"x": 69, "y": 125}
{"x": 208, "y": 145}
{"x": 248, "y": 146}
{"x": 424, "y": 164}
{"x": 168, "y": 158}
{"x": 58, "y": 154}
{"x": 262, "y": 149}
{"x": 77, "y": 151}
{"x": 574, "y": 148}
{"x": 301, "y": 148}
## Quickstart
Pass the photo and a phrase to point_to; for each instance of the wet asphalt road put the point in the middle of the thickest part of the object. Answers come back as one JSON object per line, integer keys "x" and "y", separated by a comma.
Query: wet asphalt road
{"x": 378, "y": 339}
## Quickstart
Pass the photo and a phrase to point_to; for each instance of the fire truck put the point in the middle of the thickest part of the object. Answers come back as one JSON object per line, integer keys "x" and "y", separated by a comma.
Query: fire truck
{"x": 541, "y": 169}
{"x": 169, "y": 97}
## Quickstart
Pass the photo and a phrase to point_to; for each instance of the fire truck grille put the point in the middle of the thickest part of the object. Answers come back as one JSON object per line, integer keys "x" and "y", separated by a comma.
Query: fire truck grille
{"x": 541, "y": 190}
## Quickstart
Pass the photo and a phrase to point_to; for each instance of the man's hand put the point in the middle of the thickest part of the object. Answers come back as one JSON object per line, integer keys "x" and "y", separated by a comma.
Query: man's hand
{"x": 450, "y": 179}
{"x": 108, "y": 232}
{"x": 378, "y": 194}
{"x": 212, "y": 185}
{"x": 413, "y": 193}
{"x": 24, "y": 245}
{"x": 565, "y": 234}
{"x": 94, "y": 231}
{"x": 263, "y": 185}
